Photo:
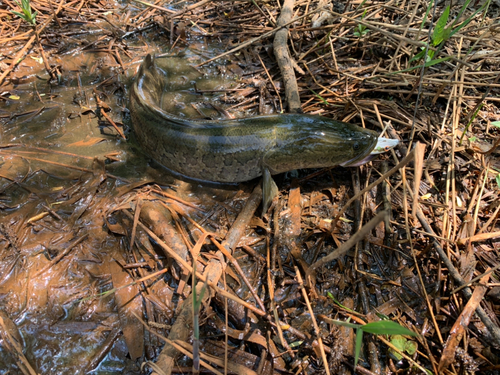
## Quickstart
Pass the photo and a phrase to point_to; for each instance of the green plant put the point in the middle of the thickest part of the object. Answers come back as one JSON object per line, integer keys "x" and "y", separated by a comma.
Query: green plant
{"x": 382, "y": 327}
{"x": 27, "y": 13}
{"x": 441, "y": 34}
{"x": 361, "y": 30}
{"x": 403, "y": 345}
{"x": 470, "y": 122}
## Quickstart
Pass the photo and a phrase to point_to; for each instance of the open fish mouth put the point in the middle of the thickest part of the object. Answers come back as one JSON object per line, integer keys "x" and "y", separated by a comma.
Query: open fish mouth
{"x": 383, "y": 145}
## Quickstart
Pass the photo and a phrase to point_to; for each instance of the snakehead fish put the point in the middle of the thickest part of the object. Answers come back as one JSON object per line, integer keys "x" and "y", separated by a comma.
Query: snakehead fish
{"x": 236, "y": 150}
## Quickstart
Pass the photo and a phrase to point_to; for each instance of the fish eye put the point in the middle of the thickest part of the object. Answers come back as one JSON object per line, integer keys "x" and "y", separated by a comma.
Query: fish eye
{"x": 387, "y": 148}
{"x": 355, "y": 146}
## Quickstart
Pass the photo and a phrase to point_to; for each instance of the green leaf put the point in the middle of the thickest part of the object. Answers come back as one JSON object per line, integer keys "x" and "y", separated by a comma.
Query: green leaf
{"x": 19, "y": 14}
{"x": 387, "y": 327}
{"x": 332, "y": 297}
{"x": 419, "y": 55}
{"x": 462, "y": 10}
{"x": 429, "y": 63}
{"x": 320, "y": 97}
{"x": 439, "y": 31}
{"x": 497, "y": 179}
{"x": 424, "y": 18}
{"x": 357, "y": 348}
{"x": 473, "y": 139}
{"x": 496, "y": 123}
{"x": 399, "y": 342}
{"x": 411, "y": 347}
{"x": 467, "y": 21}
{"x": 346, "y": 324}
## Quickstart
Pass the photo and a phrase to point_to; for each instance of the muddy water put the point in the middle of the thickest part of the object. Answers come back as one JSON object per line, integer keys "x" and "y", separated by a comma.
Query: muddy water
{"x": 62, "y": 168}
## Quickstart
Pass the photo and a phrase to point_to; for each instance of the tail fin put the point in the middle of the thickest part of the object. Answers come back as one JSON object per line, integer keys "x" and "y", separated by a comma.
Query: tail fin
{"x": 151, "y": 76}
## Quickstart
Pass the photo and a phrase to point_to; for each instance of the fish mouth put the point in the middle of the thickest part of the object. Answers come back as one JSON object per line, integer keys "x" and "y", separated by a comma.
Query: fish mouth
{"x": 383, "y": 145}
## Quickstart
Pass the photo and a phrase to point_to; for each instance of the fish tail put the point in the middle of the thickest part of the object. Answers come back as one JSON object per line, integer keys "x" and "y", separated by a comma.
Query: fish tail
{"x": 151, "y": 75}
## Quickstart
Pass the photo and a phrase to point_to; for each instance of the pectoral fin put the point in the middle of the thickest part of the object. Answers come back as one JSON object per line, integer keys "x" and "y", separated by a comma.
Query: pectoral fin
{"x": 269, "y": 190}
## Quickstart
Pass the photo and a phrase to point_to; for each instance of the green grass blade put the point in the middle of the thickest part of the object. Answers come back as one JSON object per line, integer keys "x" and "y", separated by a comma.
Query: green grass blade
{"x": 345, "y": 324}
{"x": 418, "y": 56}
{"x": 387, "y": 327}
{"x": 466, "y": 22}
{"x": 424, "y": 19}
{"x": 18, "y": 14}
{"x": 428, "y": 63}
{"x": 331, "y": 296}
{"x": 439, "y": 33}
{"x": 462, "y": 10}
{"x": 319, "y": 97}
{"x": 357, "y": 348}
{"x": 470, "y": 122}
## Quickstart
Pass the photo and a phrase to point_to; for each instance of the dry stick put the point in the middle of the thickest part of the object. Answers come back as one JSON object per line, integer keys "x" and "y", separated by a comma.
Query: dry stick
{"x": 317, "y": 331}
{"x": 44, "y": 57}
{"x": 400, "y": 165}
{"x": 17, "y": 59}
{"x": 177, "y": 199}
{"x": 166, "y": 359}
{"x": 184, "y": 264}
{"x": 48, "y": 151}
{"x": 492, "y": 328}
{"x": 417, "y": 176}
{"x": 254, "y": 40}
{"x": 346, "y": 246}
{"x": 103, "y": 351}
{"x": 236, "y": 265}
{"x": 53, "y": 163}
{"x": 272, "y": 82}
{"x": 476, "y": 279}
{"x": 478, "y": 238}
{"x": 458, "y": 330}
{"x": 189, "y": 8}
{"x": 61, "y": 255}
{"x": 405, "y": 32}
{"x": 12, "y": 345}
{"x": 418, "y": 154}
{"x": 232, "y": 367}
{"x": 120, "y": 132}
{"x": 285, "y": 60}
{"x": 154, "y": 6}
{"x": 174, "y": 344}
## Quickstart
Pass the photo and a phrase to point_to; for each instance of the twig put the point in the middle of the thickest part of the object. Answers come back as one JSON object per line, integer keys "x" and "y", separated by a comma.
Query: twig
{"x": 490, "y": 325}
{"x": 346, "y": 246}
{"x": 18, "y": 58}
{"x": 254, "y": 40}
{"x": 284, "y": 59}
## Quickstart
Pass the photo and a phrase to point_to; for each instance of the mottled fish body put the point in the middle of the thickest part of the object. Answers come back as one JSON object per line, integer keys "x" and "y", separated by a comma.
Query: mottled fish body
{"x": 236, "y": 150}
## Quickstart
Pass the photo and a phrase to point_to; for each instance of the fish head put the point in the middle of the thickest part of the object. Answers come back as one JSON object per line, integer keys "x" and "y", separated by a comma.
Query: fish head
{"x": 345, "y": 144}
{"x": 382, "y": 145}
{"x": 306, "y": 141}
